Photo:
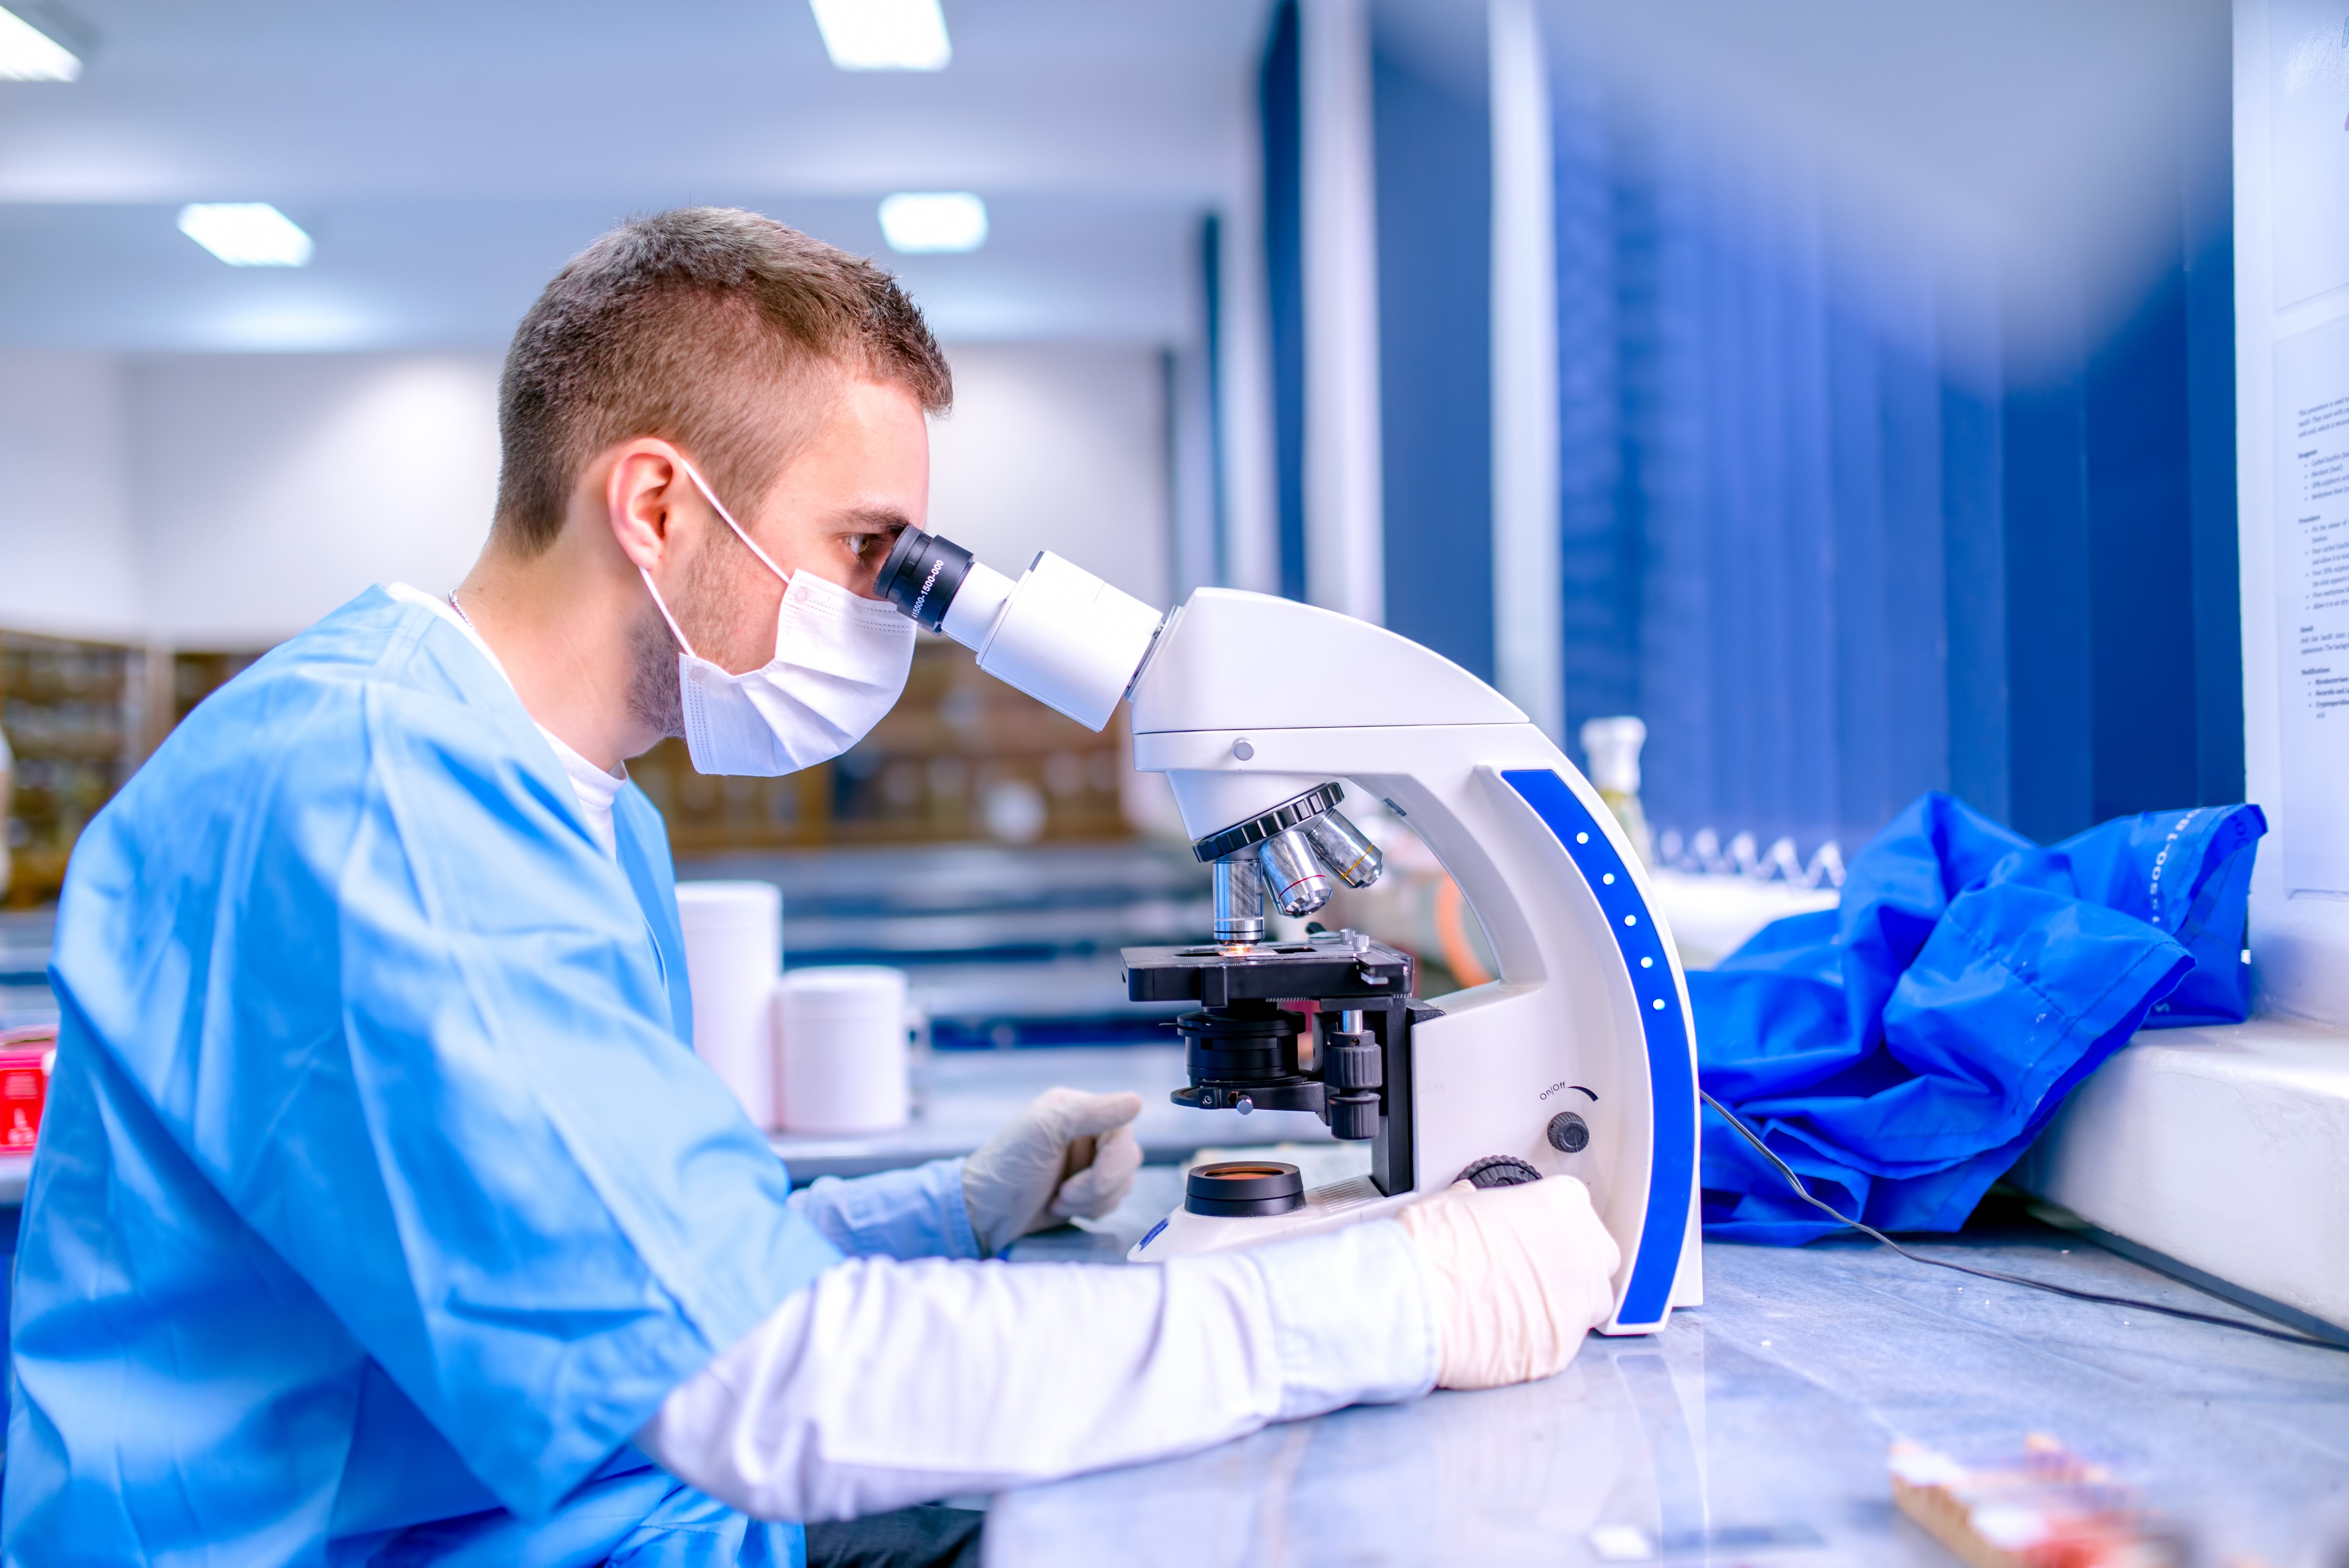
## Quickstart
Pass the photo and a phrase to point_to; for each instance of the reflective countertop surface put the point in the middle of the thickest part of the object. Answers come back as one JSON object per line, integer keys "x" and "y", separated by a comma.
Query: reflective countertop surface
{"x": 1754, "y": 1430}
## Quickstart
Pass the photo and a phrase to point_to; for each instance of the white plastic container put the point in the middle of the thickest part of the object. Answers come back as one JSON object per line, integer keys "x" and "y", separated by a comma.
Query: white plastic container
{"x": 733, "y": 950}
{"x": 841, "y": 1032}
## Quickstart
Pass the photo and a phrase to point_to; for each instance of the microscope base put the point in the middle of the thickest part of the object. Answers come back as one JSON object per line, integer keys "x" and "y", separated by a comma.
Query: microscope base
{"x": 1184, "y": 1235}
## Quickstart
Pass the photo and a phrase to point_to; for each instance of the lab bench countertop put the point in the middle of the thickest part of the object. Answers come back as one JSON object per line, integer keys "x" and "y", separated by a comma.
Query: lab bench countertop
{"x": 1754, "y": 1430}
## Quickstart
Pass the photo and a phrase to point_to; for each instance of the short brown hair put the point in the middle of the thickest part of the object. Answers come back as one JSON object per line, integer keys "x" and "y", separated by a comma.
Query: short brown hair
{"x": 685, "y": 325}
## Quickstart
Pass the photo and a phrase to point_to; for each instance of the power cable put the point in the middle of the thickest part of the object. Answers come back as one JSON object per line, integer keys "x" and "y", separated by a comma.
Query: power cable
{"x": 1747, "y": 1133}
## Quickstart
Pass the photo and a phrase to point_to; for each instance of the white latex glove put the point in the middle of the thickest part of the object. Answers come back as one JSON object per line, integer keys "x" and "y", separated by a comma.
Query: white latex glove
{"x": 1069, "y": 1153}
{"x": 1519, "y": 1273}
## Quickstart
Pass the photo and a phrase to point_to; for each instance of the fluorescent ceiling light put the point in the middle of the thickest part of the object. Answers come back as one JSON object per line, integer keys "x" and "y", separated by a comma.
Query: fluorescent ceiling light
{"x": 246, "y": 233}
{"x": 30, "y": 54}
{"x": 884, "y": 35}
{"x": 917, "y": 220}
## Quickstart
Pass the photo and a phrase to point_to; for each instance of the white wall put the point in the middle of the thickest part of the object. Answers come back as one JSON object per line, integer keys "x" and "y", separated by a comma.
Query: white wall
{"x": 2291, "y": 318}
{"x": 1059, "y": 448}
{"x": 226, "y": 501}
{"x": 270, "y": 489}
{"x": 67, "y": 558}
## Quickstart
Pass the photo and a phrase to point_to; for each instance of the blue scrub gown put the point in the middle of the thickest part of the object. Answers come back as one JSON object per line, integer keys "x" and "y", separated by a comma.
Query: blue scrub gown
{"x": 381, "y": 1198}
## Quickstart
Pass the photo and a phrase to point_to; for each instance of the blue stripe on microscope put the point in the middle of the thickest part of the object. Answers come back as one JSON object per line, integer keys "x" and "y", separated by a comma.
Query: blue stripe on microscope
{"x": 1672, "y": 1080}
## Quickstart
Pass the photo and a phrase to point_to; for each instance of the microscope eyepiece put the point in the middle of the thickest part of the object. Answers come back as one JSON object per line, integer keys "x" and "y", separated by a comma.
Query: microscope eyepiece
{"x": 1060, "y": 633}
{"x": 922, "y": 576}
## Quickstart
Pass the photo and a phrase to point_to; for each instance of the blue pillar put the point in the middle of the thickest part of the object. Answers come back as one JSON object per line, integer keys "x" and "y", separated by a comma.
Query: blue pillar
{"x": 1280, "y": 108}
{"x": 1433, "y": 147}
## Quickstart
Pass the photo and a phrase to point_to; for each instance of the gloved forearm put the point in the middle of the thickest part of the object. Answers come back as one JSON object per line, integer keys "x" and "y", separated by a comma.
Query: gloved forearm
{"x": 888, "y": 1384}
{"x": 915, "y": 1214}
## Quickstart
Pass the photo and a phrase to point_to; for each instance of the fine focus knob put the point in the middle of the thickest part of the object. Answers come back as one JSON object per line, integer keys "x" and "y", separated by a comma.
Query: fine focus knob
{"x": 1497, "y": 1170}
{"x": 1569, "y": 1133}
{"x": 1354, "y": 1117}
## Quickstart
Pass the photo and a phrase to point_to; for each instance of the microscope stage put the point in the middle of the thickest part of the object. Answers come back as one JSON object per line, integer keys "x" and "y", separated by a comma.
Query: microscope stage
{"x": 1267, "y": 972}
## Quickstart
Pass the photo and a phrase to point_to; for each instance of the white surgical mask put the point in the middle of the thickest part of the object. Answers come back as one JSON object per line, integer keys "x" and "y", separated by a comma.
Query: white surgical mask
{"x": 840, "y": 663}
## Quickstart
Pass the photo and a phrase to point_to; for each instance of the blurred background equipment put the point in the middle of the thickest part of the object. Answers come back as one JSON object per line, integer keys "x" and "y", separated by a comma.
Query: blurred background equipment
{"x": 28, "y": 1055}
{"x": 74, "y": 714}
{"x": 1610, "y": 753}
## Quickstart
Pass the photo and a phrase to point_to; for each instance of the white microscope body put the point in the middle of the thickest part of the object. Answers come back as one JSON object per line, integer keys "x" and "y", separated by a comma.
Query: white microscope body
{"x": 1578, "y": 1060}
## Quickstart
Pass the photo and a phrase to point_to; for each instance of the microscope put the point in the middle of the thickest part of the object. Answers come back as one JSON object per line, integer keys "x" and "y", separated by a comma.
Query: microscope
{"x": 1577, "y": 1060}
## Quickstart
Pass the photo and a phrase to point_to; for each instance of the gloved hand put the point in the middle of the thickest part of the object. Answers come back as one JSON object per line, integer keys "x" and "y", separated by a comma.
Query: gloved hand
{"x": 1520, "y": 1275}
{"x": 1069, "y": 1153}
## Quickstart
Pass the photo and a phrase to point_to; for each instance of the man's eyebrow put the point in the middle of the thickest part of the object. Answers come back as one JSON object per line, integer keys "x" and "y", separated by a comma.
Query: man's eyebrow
{"x": 875, "y": 519}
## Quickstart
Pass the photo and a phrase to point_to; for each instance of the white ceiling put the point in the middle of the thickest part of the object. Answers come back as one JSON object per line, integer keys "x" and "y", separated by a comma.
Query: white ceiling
{"x": 447, "y": 155}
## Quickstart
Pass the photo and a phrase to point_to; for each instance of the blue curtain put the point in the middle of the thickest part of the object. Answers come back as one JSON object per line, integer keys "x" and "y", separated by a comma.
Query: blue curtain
{"x": 1753, "y": 474}
{"x": 1820, "y": 543}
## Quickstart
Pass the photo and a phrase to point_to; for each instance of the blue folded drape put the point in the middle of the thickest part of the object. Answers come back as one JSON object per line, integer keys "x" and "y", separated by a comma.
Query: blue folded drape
{"x": 1902, "y": 1050}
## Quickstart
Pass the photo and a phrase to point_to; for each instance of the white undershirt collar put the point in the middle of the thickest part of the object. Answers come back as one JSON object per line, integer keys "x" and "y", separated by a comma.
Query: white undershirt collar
{"x": 595, "y": 789}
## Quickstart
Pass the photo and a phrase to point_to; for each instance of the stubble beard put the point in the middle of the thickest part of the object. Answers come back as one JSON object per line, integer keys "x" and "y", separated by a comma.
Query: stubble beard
{"x": 654, "y": 700}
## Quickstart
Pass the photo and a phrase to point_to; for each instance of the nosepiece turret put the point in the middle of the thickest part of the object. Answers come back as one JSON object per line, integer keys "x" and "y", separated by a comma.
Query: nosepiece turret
{"x": 1287, "y": 855}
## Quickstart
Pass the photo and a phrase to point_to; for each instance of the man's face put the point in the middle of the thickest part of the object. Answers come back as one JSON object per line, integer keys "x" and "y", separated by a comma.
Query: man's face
{"x": 834, "y": 510}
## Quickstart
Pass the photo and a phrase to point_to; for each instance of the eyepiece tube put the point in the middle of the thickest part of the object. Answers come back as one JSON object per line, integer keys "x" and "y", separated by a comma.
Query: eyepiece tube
{"x": 1060, "y": 633}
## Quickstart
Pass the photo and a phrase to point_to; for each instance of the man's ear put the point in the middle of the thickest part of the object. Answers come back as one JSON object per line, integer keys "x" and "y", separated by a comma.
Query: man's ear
{"x": 640, "y": 493}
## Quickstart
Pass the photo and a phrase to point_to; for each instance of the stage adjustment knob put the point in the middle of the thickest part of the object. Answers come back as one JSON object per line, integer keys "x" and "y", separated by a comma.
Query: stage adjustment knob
{"x": 1497, "y": 1170}
{"x": 1569, "y": 1133}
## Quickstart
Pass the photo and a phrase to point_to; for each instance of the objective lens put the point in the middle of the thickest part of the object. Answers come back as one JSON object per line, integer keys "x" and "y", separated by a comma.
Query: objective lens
{"x": 1296, "y": 883}
{"x": 1239, "y": 902}
{"x": 1344, "y": 849}
{"x": 922, "y": 576}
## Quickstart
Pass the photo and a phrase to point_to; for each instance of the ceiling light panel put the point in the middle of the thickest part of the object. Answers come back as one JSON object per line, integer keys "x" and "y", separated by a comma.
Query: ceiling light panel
{"x": 246, "y": 233}
{"x": 915, "y": 222}
{"x": 884, "y": 35}
{"x": 30, "y": 54}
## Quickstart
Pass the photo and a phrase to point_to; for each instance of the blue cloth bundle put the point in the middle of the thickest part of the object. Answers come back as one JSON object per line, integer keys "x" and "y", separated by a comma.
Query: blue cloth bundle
{"x": 1901, "y": 1051}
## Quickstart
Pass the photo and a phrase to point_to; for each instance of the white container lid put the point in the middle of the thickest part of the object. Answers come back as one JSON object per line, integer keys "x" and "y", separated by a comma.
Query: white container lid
{"x": 841, "y": 984}
{"x": 705, "y": 904}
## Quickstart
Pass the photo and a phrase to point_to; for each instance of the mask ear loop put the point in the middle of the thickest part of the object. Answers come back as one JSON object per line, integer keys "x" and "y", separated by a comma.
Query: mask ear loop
{"x": 711, "y": 497}
{"x": 674, "y": 629}
{"x": 719, "y": 507}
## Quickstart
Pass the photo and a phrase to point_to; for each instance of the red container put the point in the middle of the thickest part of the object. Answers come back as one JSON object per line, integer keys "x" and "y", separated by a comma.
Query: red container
{"x": 25, "y": 1057}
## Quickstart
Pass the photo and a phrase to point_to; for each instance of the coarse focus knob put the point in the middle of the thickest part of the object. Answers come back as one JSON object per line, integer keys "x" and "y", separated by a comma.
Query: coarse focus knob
{"x": 1569, "y": 1133}
{"x": 1354, "y": 1117}
{"x": 1351, "y": 1062}
{"x": 1497, "y": 1170}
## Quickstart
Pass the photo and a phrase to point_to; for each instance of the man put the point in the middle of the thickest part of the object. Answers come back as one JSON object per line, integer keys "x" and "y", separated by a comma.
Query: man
{"x": 383, "y": 1213}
